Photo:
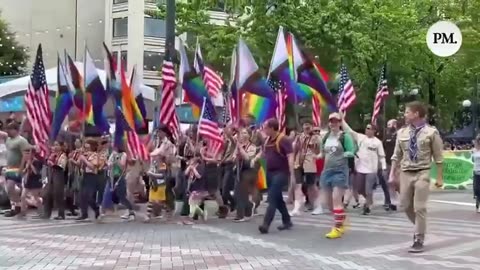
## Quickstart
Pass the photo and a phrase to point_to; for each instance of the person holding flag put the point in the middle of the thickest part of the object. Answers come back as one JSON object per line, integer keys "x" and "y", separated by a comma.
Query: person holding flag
{"x": 279, "y": 157}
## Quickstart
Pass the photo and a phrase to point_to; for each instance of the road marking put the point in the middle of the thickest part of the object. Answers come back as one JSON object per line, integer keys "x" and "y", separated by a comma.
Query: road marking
{"x": 415, "y": 259}
{"x": 453, "y": 202}
{"x": 455, "y": 249}
{"x": 328, "y": 260}
{"x": 388, "y": 226}
{"x": 394, "y": 247}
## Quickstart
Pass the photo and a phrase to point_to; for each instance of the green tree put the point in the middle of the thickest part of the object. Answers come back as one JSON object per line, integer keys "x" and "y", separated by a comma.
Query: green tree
{"x": 363, "y": 34}
{"x": 13, "y": 57}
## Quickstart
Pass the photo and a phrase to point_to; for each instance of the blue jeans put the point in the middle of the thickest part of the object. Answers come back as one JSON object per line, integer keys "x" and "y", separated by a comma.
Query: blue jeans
{"x": 277, "y": 181}
{"x": 121, "y": 192}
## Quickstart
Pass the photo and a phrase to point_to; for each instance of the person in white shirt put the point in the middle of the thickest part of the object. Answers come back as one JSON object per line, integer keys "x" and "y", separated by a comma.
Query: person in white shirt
{"x": 476, "y": 172}
{"x": 367, "y": 159}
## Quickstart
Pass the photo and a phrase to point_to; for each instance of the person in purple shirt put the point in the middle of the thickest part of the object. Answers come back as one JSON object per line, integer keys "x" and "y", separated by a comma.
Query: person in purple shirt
{"x": 278, "y": 154}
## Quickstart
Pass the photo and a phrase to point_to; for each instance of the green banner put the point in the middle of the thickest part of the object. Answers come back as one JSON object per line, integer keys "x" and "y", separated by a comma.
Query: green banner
{"x": 457, "y": 169}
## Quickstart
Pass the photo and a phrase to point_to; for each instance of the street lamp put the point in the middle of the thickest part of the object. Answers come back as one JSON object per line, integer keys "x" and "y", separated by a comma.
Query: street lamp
{"x": 466, "y": 103}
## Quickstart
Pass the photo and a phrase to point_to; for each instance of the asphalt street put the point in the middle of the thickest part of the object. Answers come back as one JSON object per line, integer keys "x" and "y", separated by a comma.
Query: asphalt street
{"x": 378, "y": 241}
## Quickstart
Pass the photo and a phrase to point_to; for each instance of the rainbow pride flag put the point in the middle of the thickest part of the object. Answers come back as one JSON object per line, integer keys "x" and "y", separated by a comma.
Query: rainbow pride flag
{"x": 261, "y": 108}
{"x": 282, "y": 69}
{"x": 309, "y": 72}
{"x": 130, "y": 108}
{"x": 63, "y": 101}
{"x": 81, "y": 100}
{"x": 192, "y": 83}
{"x": 262, "y": 175}
{"x": 96, "y": 95}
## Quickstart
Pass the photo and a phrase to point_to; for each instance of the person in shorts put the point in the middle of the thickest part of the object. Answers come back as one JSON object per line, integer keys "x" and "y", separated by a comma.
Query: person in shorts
{"x": 337, "y": 147}
{"x": 15, "y": 145}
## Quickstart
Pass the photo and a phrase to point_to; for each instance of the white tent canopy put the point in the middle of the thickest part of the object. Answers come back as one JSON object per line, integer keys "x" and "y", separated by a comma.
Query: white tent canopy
{"x": 21, "y": 84}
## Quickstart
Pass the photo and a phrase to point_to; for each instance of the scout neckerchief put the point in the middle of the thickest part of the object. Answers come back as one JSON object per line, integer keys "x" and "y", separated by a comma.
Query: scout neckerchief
{"x": 413, "y": 145}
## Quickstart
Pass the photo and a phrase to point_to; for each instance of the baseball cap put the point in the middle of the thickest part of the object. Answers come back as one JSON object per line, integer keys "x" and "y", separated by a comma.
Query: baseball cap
{"x": 335, "y": 115}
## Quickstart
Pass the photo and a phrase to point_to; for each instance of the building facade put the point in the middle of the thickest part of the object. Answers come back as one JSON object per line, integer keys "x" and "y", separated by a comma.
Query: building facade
{"x": 58, "y": 25}
{"x": 139, "y": 39}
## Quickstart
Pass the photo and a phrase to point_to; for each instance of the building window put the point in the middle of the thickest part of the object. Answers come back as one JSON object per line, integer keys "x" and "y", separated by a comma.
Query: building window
{"x": 154, "y": 28}
{"x": 152, "y": 61}
{"x": 120, "y": 27}
{"x": 120, "y": 1}
{"x": 123, "y": 57}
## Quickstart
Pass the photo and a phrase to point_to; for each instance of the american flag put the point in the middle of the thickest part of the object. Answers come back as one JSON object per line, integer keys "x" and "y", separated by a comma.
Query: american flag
{"x": 38, "y": 105}
{"x": 167, "y": 115}
{"x": 316, "y": 111}
{"x": 382, "y": 94}
{"x": 212, "y": 80}
{"x": 135, "y": 146}
{"x": 346, "y": 94}
{"x": 281, "y": 100}
{"x": 208, "y": 127}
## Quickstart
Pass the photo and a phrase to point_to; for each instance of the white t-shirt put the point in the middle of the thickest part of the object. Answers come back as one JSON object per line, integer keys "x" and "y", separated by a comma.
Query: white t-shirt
{"x": 476, "y": 160}
{"x": 370, "y": 154}
{"x": 3, "y": 154}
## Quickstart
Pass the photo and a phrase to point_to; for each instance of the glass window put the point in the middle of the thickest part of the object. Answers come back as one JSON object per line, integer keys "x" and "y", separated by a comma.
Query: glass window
{"x": 123, "y": 56}
{"x": 120, "y": 1}
{"x": 152, "y": 60}
{"x": 154, "y": 28}
{"x": 120, "y": 27}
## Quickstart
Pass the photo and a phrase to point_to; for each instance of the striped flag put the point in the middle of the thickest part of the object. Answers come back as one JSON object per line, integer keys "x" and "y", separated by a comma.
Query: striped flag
{"x": 382, "y": 94}
{"x": 38, "y": 104}
{"x": 167, "y": 115}
{"x": 212, "y": 80}
{"x": 281, "y": 100}
{"x": 208, "y": 127}
{"x": 316, "y": 111}
{"x": 346, "y": 92}
{"x": 135, "y": 146}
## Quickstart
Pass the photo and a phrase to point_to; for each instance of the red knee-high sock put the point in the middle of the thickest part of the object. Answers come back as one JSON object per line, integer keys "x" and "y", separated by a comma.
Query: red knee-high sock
{"x": 339, "y": 217}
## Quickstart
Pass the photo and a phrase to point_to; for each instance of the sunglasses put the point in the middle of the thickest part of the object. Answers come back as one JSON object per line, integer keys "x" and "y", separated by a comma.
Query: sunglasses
{"x": 368, "y": 128}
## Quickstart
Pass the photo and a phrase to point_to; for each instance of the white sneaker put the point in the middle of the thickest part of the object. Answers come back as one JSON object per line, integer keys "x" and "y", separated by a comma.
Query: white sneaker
{"x": 128, "y": 216}
{"x": 317, "y": 211}
{"x": 147, "y": 219}
{"x": 296, "y": 209}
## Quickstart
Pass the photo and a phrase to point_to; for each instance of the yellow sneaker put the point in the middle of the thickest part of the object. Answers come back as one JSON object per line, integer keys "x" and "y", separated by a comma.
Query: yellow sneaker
{"x": 335, "y": 233}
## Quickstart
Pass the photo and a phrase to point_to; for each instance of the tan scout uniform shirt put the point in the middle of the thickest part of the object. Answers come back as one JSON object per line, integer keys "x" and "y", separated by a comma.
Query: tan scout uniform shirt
{"x": 307, "y": 148}
{"x": 429, "y": 145}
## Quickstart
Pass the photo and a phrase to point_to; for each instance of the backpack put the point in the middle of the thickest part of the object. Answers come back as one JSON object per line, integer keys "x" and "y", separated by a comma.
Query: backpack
{"x": 277, "y": 143}
{"x": 342, "y": 141}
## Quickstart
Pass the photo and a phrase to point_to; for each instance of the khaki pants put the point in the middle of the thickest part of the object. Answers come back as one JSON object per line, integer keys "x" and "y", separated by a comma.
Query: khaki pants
{"x": 414, "y": 191}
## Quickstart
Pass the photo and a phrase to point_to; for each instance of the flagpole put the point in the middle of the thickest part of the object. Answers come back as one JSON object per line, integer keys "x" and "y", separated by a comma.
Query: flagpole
{"x": 84, "y": 96}
{"x": 237, "y": 106}
{"x": 295, "y": 111}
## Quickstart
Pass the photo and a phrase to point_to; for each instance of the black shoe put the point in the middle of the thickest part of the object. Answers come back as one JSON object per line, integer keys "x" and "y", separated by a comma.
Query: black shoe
{"x": 284, "y": 227}
{"x": 357, "y": 205}
{"x": 417, "y": 247}
{"x": 393, "y": 207}
{"x": 59, "y": 218}
{"x": 81, "y": 218}
{"x": 12, "y": 212}
{"x": 263, "y": 229}
{"x": 366, "y": 211}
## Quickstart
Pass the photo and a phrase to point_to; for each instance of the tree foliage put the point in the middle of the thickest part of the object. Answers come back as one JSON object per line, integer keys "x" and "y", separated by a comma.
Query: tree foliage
{"x": 13, "y": 57}
{"x": 363, "y": 34}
